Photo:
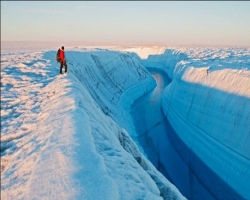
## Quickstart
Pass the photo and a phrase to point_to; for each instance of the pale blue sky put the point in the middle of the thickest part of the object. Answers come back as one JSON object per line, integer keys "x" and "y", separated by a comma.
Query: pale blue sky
{"x": 157, "y": 23}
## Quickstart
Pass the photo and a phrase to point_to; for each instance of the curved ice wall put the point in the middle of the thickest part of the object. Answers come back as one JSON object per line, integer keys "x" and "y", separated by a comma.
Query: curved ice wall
{"x": 114, "y": 80}
{"x": 208, "y": 105}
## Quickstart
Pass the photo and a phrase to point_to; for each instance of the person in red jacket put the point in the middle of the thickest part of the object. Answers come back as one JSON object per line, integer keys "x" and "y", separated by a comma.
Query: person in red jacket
{"x": 63, "y": 61}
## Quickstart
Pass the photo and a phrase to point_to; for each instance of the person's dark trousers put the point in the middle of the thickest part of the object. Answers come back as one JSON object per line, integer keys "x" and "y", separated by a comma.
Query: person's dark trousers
{"x": 63, "y": 63}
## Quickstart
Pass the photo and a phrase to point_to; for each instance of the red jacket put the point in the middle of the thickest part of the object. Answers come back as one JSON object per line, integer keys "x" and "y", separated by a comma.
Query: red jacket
{"x": 62, "y": 55}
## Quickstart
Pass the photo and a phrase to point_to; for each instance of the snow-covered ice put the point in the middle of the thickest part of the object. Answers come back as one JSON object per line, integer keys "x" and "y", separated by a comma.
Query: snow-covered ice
{"x": 72, "y": 136}
{"x": 58, "y": 139}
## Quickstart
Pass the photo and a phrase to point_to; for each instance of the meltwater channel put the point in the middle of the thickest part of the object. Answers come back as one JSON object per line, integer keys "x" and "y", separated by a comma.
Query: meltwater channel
{"x": 168, "y": 152}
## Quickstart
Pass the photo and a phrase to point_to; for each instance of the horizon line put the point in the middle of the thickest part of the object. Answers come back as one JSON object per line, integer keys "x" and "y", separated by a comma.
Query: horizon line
{"x": 126, "y": 44}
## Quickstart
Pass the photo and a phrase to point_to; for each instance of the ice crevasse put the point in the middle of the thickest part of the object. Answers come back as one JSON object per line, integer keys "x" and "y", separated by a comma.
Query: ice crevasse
{"x": 208, "y": 105}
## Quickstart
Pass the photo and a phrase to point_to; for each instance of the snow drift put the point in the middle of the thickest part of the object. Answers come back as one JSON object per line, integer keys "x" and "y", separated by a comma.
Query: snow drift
{"x": 59, "y": 137}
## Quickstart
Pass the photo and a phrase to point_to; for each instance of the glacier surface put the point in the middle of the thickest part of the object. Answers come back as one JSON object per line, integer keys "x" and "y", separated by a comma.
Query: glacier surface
{"x": 73, "y": 137}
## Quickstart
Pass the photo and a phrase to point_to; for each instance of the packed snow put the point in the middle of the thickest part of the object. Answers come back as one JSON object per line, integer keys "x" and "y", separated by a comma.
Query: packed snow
{"x": 74, "y": 137}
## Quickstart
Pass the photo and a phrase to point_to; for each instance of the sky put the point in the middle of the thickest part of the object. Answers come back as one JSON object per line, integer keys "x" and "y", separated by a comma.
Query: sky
{"x": 139, "y": 22}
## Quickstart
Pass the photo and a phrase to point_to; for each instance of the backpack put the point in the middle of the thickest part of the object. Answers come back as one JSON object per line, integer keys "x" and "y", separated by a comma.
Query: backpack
{"x": 58, "y": 59}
